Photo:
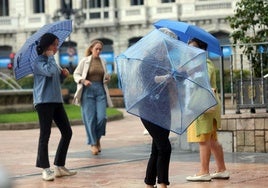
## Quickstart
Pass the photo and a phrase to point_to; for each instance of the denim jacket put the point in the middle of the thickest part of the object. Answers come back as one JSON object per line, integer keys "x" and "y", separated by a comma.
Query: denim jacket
{"x": 47, "y": 86}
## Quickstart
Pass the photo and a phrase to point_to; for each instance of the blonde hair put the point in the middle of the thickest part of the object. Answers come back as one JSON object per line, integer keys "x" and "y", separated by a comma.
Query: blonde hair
{"x": 92, "y": 44}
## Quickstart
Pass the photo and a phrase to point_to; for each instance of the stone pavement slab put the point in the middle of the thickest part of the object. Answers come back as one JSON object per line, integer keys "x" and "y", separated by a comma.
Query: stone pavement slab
{"x": 122, "y": 162}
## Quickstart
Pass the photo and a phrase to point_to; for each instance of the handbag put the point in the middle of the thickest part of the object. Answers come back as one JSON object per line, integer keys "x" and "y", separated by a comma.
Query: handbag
{"x": 195, "y": 101}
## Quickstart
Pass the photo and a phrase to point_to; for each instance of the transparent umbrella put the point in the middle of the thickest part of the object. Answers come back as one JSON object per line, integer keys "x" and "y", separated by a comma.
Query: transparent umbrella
{"x": 155, "y": 74}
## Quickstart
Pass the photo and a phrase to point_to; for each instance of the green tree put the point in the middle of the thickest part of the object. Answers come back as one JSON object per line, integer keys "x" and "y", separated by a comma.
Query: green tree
{"x": 250, "y": 25}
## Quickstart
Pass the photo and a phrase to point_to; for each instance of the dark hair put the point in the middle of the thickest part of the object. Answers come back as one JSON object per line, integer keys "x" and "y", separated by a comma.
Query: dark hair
{"x": 201, "y": 44}
{"x": 45, "y": 41}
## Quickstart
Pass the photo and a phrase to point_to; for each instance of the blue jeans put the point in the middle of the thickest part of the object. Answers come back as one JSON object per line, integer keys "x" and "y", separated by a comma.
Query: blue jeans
{"x": 94, "y": 111}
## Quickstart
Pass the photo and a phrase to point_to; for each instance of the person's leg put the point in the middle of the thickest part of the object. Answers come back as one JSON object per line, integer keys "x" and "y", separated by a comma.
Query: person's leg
{"x": 45, "y": 115}
{"x": 204, "y": 152}
{"x": 101, "y": 104}
{"x": 62, "y": 122}
{"x": 161, "y": 141}
{"x": 151, "y": 170}
{"x": 101, "y": 121}
{"x": 88, "y": 107}
{"x": 164, "y": 152}
{"x": 217, "y": 152}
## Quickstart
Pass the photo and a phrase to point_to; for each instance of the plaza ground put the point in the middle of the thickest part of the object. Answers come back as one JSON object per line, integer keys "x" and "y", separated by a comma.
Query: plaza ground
{"x": 122, "y": 162}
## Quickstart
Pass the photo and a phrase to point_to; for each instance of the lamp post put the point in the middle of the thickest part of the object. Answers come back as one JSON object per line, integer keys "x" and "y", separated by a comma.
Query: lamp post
{"x": 66, "y": 11}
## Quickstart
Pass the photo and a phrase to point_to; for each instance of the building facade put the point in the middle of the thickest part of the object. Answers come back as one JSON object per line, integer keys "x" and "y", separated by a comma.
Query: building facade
{"x": 118, "y": 23}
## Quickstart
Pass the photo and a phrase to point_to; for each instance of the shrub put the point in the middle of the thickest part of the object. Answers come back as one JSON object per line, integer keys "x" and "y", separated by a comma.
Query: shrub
{"x": 26, "y": 82}
{"x": 3, "y": 85}
{"x": 114, "y": 81}
{"x": 227, "y": 79}
{"x": 69, "y": 83}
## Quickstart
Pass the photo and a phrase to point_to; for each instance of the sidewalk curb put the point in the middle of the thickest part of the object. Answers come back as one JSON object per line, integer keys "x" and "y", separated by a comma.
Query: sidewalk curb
{"x": 35, "y": 125}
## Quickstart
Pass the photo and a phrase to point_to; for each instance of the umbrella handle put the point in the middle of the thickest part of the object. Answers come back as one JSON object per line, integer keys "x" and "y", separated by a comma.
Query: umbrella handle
{"x": 159, "y": 79}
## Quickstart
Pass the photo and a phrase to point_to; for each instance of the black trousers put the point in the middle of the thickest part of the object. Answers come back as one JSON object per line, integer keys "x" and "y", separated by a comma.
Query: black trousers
{"x": 158, "y": 164}
{"x": 46, "y": 113}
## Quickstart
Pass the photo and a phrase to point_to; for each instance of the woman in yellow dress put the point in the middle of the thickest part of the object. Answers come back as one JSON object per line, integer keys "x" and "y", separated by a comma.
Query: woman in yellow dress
{"x": 204, "y": 131}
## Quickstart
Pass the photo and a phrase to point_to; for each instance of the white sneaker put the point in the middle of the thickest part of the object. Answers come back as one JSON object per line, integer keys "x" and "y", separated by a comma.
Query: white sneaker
{"x": 145, "y": 132}
{"x": 48, "y": 175}
{"x": 62, "y": 171}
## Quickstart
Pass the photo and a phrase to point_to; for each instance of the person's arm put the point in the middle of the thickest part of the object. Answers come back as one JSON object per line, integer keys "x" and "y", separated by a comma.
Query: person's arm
{"x": 163, "y": 78}
{"x": 79, "y": 71}
{"x": 45, "y": 66}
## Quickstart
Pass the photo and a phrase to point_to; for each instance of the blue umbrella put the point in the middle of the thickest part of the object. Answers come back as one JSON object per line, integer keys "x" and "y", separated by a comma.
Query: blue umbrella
{"x": 165, "y": 81}
{"x": 187, "y": 31}
{"x": 27, "y": 53}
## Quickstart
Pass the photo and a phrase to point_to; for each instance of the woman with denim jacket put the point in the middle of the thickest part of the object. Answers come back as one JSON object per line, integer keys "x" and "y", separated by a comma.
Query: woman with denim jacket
{"x": 48, "y": 103}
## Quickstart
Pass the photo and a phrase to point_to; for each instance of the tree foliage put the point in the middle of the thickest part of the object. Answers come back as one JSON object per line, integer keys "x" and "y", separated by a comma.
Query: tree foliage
{"x": 250, "y": 26}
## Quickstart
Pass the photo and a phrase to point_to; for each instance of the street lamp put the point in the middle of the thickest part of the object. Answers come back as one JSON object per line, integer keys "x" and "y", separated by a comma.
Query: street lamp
{"x": 66, "y": 11}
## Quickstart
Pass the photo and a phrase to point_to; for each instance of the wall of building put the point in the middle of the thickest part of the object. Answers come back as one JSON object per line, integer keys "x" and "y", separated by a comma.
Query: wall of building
{"x": 123, "y": 22}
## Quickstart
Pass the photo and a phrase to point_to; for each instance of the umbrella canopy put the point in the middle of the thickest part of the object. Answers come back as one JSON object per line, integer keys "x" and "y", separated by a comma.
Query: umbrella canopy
{"x": 27, "y": 53}
{"x": 165, "y": 81}
{"x": 187, "y": 31}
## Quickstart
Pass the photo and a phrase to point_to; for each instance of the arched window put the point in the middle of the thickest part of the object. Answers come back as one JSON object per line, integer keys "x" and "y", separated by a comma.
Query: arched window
{"x": 133, "y": 41}
{"x": 4, "y": 56}
{"x": 68, "y": 55}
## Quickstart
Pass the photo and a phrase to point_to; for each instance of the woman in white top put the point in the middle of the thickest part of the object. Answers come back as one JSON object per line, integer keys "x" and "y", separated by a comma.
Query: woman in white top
{"x": 92, "y": 93}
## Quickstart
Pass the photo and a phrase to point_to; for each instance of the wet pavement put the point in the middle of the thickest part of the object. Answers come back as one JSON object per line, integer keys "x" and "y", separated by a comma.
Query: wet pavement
{"x": 122, "y": 162}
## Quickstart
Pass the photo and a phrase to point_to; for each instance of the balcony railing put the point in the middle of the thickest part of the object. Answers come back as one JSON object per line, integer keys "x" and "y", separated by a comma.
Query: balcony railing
{"x": 132, "y": 15}
{"x": 99, "y": 17}
{"x": 36, "y": 21}
{"x": 168, "y": 11}
{"x": 8, "y": 24}
{"x": 12, "y": 24}
{"x": 201, "y": 9}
